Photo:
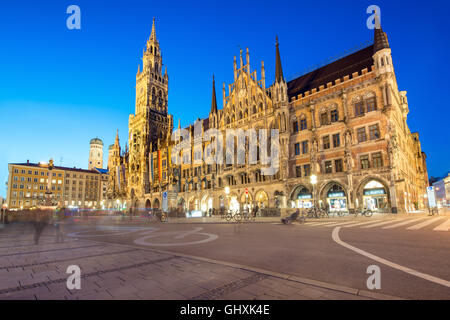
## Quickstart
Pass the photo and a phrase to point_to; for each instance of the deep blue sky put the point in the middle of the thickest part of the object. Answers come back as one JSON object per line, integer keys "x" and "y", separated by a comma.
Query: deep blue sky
{"x": 59, "y": 88}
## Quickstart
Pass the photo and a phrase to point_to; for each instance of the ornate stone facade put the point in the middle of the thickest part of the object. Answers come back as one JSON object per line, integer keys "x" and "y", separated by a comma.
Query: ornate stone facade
{"x": 344, "y": 123}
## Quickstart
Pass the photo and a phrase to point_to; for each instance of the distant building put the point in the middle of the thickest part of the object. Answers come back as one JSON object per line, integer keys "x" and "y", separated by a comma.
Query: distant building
{"x": 70, "y": 187}
{"x": 96, "y": 154}
{"x": 442, "y": 191}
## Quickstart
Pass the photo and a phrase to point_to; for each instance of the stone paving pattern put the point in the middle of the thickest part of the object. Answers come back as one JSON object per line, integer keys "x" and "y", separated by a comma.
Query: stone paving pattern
{"x": 110, "y": 271}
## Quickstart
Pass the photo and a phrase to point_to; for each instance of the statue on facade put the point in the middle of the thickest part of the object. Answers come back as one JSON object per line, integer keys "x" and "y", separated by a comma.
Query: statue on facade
{"x": 348, "y": 138}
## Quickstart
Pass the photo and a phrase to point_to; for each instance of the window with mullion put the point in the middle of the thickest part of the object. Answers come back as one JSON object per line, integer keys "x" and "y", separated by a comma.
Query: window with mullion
{"x": 377, "y": 160}
{"x": 336, "y": 140}
{"x": 303, "y": 124}
{"x": 362, "y": 134}
{"x": 374, "y": 132}
{"x": 364, "y": 162}
{"x": 334, "y": 116}
{"x": 371, "y": 104}
{"x": 326, "y": 142}
{"x": 359, "y": 109}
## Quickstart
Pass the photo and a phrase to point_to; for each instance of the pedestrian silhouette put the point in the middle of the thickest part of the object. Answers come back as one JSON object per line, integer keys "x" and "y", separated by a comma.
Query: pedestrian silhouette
{"x": 39, "y": 222}
{"x": 59, "y": 234}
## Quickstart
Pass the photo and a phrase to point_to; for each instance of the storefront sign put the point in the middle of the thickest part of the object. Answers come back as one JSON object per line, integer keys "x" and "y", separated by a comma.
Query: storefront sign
{"x": 339, "y": 194}
{"x": 374, "y": 192}
{"x": 304, "y": 196}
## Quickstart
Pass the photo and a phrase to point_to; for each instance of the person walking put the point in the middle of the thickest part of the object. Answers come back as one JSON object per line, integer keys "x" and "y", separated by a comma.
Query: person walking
{"x": 39, "y": 222}
{"x": 255, "y": 210}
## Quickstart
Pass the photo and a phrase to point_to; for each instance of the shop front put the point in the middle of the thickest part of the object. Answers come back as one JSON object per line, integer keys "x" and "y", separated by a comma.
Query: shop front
{"x": 234, "y": 203}
{"x": 207, "y": 204}
{"x": 262, "y": 199}
{"x": 246, "y": 201}
{"x": 375, "y": 196}
{"x": 336, "y": 199}
{"x": 302, "y": 198}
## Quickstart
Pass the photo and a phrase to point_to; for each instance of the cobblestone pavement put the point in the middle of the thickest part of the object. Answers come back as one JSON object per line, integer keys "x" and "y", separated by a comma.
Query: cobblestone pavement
{"x": 110, "y": 271}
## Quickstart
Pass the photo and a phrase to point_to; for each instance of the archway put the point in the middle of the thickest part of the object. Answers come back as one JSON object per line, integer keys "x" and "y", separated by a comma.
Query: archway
{"x": 279, "y": 199}
{"x": 206, "y": 203}
{"x": 301, "y": 197}
{"x": 193, "y": 204}
{"x": 262, "y": 199}
{"x": 156, "y": 203}
{"x": 181, "y": 204}
{"x": 246, "y": 201}
{"x": 374, "y": 194}
{"x": 334, "y": 197}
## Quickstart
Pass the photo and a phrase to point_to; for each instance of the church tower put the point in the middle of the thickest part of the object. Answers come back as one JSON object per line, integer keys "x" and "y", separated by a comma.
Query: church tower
{"x": 96, "y": 154}
{"x": 151, "y": 122}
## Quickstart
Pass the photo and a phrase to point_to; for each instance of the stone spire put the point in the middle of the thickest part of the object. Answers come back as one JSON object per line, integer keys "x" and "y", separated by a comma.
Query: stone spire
{"x": 117, "y": 137}
{"x": 214, "y": 101}
{"x": 380, "y": 40}
{"x": 278, "y": 69}
{"x": 153, "y": 34}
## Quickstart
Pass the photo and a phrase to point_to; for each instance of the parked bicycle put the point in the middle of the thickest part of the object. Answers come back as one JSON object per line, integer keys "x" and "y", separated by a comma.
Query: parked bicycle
{"x": 315, "y": 212}
{"x": 433, "y": 211}
{"x": 248, "y": 216}
{"x": 233, "y": 215}
{"x": 364, "y": 212}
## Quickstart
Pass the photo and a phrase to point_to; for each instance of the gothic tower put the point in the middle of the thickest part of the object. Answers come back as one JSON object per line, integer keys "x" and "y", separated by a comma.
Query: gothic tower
{"x": 281, "y": 107}
{"x": 151, "y": 122}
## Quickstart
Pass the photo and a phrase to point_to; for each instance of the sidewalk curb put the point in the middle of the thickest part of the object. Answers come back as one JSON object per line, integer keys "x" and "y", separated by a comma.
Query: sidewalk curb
{"x": 284, "y": 276}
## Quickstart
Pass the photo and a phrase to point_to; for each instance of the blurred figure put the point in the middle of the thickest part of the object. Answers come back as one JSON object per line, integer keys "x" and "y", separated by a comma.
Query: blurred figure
{"x": 59, "y": 233}
{"x": 39, "y": 222}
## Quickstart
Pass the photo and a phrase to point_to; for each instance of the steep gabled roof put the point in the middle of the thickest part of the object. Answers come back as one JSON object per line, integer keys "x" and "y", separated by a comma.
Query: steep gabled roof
{"x": 345, "y": 66}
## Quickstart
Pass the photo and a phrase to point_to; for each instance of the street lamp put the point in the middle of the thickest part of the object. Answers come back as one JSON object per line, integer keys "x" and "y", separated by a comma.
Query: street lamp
{"x": 313, "y": 179}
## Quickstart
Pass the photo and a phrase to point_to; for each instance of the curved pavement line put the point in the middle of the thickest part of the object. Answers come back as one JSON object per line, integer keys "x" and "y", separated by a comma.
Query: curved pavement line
{"x": 335, "y": 236}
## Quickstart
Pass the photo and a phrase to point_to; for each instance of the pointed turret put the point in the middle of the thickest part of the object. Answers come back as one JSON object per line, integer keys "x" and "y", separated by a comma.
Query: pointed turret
{"x": 380, "y": 41}
{"x": 117, "y": 137}
{"x": 153, "y": 34}
{"x": 213, "y": 101}
{"x": 278, "y": 69}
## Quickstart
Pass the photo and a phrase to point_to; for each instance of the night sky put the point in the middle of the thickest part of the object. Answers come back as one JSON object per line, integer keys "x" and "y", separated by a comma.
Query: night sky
{"x": 59, "y": 88}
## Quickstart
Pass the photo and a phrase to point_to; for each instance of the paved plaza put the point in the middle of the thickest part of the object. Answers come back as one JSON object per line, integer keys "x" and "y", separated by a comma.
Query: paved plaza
{"x": 110, "y": 271}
